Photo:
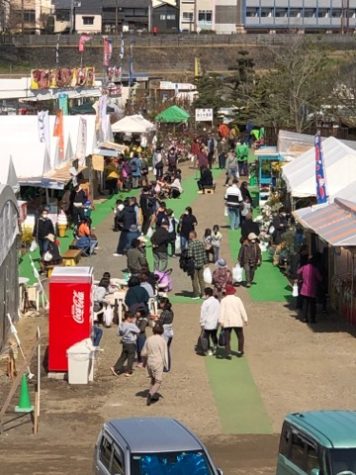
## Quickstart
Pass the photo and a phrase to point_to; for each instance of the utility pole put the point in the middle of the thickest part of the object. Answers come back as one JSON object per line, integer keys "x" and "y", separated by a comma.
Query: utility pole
{"x": 22, "y": 17}
{"x": 117, "y": 17}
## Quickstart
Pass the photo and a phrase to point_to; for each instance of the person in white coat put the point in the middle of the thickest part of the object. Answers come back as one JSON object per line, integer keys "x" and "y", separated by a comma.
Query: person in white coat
{"x": 209, "y": 318}
{"x": 233, "y": 316}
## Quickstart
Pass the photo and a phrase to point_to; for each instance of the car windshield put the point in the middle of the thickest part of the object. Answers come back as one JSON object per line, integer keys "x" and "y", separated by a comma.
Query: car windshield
{"x": 171, "y": 463}
{"x": 342, "y": 460}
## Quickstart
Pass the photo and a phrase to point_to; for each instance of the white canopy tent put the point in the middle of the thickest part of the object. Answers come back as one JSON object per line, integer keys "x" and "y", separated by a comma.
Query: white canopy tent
{"x": 133, "y": 124}
{"x": 339, "y": 170}
{"x": 8, "y": 173}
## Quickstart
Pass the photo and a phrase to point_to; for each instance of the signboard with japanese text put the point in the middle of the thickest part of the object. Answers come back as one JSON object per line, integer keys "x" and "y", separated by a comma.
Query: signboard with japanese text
{"x": 204, "y": 115}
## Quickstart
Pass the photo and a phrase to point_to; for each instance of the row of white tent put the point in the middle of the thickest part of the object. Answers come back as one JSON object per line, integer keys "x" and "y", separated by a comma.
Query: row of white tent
{"x": 339, "y": 162}
{"x": 25, "y": 159}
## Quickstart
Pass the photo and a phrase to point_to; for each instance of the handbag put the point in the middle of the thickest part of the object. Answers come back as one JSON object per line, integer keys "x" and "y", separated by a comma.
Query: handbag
{"x": 222, "y": 338}
{"x": 47, "y": 256}
{"x": 177, "y": 244}
{"x": 295, "y": 292}
{"x": 202, "y": 345}
{"x": 237, "y": 274}
{"x": 34, "y": 245}
{"x": 207, "y": 276}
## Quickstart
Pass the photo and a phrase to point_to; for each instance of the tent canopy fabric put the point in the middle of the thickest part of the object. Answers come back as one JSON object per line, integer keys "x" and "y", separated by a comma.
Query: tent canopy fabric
{"x": 173, "y": 115}
{"x": 335, "y": 223}
{"x": 339, "y": 170}
{"x": 8, "y": 173}
{"x": 133, "y": 124}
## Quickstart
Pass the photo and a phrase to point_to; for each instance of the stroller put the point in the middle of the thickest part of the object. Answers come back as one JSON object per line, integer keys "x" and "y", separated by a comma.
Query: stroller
{"x": 164, "y": 282}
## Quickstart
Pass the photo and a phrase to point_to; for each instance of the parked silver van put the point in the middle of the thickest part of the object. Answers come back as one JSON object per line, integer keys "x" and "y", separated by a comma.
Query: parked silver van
{"x": 150, "y": 446}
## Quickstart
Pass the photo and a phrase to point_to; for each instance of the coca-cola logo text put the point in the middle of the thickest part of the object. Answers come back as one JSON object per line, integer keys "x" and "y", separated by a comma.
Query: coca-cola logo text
{"x": 78, "y": 307}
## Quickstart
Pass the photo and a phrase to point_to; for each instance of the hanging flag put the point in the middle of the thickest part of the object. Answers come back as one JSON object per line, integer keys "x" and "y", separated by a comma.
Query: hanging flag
{"x": 101, "y": 118}
{"x": 43, "y": 128}
{"x": 197, "y": 68}
{"x": 82, "y": 40}
{"x": 107, "y": 51}
{"x": 80, "y": 152}
{"x": 122, "y": 47}
{"x": 63, "y": 103}
{"x": 321, "y": 196}
{"x": 57, "y": 50}
{"x": 58, "y": 132}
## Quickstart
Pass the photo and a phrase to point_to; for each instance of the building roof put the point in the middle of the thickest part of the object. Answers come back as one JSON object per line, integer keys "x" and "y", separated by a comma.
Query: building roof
{"x": 126, "y": 3}
{"x": 152, "y": 434}
{"x": 89, "y": 6}
{"x": 334, "y": 429}
{"x": 159, "y": 3}
{"x": 334, "y": 223}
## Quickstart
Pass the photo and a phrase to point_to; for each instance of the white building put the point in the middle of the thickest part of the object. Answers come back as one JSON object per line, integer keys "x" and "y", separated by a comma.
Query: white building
{"x": 220, "y": 16}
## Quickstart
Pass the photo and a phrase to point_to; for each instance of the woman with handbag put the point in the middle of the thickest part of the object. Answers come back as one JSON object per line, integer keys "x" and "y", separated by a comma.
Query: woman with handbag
{"x": 222, "y": 277}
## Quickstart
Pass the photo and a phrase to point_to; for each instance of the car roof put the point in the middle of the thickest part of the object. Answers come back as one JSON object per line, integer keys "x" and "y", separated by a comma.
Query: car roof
{"x": 154, "y": 434}
{"x": 332, "y": 429}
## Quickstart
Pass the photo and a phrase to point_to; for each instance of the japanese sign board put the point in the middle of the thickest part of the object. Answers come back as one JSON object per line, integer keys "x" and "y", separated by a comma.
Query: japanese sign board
{"x": 204, "y": 115}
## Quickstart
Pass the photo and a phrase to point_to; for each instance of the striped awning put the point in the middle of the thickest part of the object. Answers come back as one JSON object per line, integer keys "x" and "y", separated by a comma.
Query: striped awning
{"x": 334, "y": 223}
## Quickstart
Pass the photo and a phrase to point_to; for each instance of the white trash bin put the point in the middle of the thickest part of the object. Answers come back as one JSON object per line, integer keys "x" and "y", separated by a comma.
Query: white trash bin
{"x": 81, "y": 362}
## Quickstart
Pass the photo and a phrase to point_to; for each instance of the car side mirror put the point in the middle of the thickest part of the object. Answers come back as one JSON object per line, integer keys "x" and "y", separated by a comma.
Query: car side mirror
{"x": 315, "y": 471}
{"x": 220, "y": 472}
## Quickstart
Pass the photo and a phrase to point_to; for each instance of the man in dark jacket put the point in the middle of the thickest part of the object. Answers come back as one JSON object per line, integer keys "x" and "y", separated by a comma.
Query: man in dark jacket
{"x": 127, "y": 218}
{"x": 148, "y": 207}
{"x": 43, "y": 227}
{"x": 250, "y": 257}
{"x": 206, "y": 179}
{"x": 249, "y": 226}
{"x": 160, "y": 240}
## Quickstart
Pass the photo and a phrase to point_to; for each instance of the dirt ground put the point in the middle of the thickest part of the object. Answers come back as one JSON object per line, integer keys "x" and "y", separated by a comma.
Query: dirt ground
{"x": 295, "y": 368}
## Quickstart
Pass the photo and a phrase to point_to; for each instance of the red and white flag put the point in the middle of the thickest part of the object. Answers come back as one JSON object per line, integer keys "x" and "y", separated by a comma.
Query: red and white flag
{"x": 107, "y": 51}
{"x": 82, "y": 40}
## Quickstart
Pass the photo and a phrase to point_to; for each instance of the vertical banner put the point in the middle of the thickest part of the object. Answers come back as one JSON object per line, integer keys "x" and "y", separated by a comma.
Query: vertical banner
{"x": 43, "y": 128}
{"x": 107, "y": 51}
{"x": 59, "y": 132}
{"x": 57, "y": 50}
{"x": 80, "y": 152}
{"x": 101, "y": 118}
{"x": 63, "y": 103}
{"x": 82, "y": 40}
{"x": 321, "y": 196}
{"x": 122, "y": 48}
{"x": 197, "y": 68}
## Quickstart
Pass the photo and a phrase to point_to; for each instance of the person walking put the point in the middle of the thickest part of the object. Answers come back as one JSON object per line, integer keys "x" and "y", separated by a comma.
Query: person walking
{"x": 209, "y": 319}
{"x": 249, "y": 226}
{"x": 222, "y": 276}
{"x": 250, "y": 257}
{"x": 309, "y": 277}
{"x": 135, "y": 166}
{"x": 126, "y": 218}
{"x": 233, "y": 317}
{"x": 128, "y": 330}
{"x": 172, "y": 226}
{"x": 165, "y": 319}
{"x": 196, "y": 251}
{"x": 216, "y": 238}
{"x": 148, "y": 207}
{"x": 233, "y": 201}
{"x": 187, "y": 223}
{"x": 160, "y": 240}
{"x": 155, "y": 354}
{"x": 231, "y": 167}
{"x": 43, "y": 227}
{"x": 241, "y": 152}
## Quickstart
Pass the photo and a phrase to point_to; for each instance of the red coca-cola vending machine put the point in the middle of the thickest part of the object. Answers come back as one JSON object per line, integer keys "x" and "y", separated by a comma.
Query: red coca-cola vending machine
{"x": 70, "y": 312}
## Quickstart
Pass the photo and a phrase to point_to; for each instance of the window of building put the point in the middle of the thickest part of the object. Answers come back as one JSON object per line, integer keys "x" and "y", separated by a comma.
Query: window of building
{"x": 351, "y": 13}
{"x": 29, "y": 16}
{"x": 63, "y": 15}
{"x": 171, "y": 17}
{"x": 162, "y": 17}
{"x": 295, "y": 12}
{"x": 336, "y": 13}
{"x": 140, "y": 12}
{"x": 128, "y": 11}
{"x": 88, "y": 20}
{"x": 266, "y": 12}
{"x": 309, "y": 13}
{"x": 251, "y": 12}
{"x": 281, "y": 12}
{"x": 323, "y": 13}
{"x": 188, "y": 16}
{"x": 205, "y": 15}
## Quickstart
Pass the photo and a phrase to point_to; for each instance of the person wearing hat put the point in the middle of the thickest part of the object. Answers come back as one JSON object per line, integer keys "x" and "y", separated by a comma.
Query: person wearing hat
{"x": 128, "y": 218}
{"x": 136, "y": 259}
{"x": 233, "y": 317}
{"x": 250, "y": 257}
{"x": 222, "y": 277}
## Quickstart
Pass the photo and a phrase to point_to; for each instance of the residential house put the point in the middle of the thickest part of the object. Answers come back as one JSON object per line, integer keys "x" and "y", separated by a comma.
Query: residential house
{"x": 196, "y": 15}
{"x": 88, "y": 17}
{"x": 165, "y": 16}
{"x": 121, "y": 15}
{"x": 26, "y": 17}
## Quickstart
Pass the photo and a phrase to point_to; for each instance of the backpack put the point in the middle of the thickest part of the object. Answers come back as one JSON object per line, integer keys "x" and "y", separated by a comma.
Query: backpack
{"x": 186, "y": 263}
